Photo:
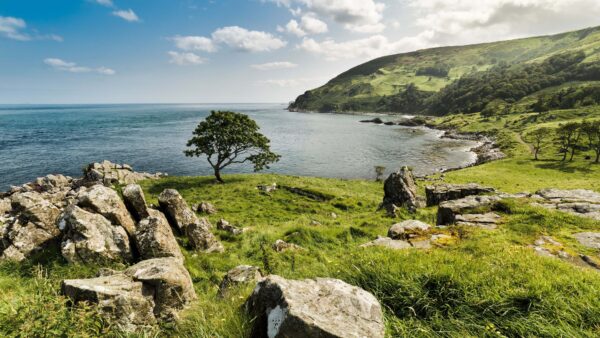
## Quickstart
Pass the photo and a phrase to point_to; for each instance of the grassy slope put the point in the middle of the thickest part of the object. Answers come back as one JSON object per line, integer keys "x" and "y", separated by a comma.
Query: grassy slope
{"x": 390, "y": 74}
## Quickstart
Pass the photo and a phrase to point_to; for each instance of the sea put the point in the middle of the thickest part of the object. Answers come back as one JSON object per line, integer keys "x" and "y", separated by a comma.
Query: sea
{"x": 36, "y": 140}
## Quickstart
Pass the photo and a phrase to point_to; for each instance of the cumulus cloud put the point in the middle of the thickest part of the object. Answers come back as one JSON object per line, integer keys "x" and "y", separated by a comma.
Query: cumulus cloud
{"x": 194, "y": 43}
{"x": 16, "y": 29}
{"x": 107, "y": 3}
{"x": 185, "y": 58}
{"x": 72, "y": 67}
{"x": 309, "y": 24}
{"x": 245, "y": 40}
{"x": 356, "y": 15}
{"x": 127, "y": 15}
{"x": 275, "y": 65}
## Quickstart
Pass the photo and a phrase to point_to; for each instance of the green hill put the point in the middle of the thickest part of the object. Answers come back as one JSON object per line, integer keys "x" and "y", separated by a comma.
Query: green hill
{"x": 412, "y": 82}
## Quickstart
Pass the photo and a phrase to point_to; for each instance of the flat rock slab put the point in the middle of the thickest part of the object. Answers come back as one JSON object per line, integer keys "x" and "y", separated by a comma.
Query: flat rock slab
{"x": 448, "y": 211}
{"x": 321, "y": 307}
{"x": 584, "y": 203}
{"x": 487, "y": 221}
{"x": 395, "y": 244}
{"x": 447, "y": 192}
{"x": 589, "y": 239}
{"x": 241, "y": 274}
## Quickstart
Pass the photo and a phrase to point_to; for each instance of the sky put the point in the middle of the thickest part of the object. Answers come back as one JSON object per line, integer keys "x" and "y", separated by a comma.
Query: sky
{"x": 226, "y": 51}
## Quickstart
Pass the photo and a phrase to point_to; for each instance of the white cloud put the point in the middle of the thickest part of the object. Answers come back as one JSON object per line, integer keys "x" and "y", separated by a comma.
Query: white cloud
{"x": 244, "y": 40}
{"x": 12, "y": 28}
{"x": 293, "y": 27}
{"x": 127, "y": 15}
{"x": 184, "y": 59}
{"x": 107, "y": 3}
{"x": 285, "y": 83}
{"x": 72, "y": 67}
{"x": 194, "y": 43}
{"x": 275, "y": 65}
{"x": 309, "y": 24}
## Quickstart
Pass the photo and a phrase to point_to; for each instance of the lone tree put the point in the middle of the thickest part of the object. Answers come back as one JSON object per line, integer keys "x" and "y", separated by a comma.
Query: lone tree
{"x": 538, "y": 139}
{"x": 592, "y": 131}
{"x": 227, "y": 138}
{"x": 568, "y": 137}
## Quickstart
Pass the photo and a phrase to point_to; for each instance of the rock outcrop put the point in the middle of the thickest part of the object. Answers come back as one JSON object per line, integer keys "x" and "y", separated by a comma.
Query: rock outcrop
{"x": 135, "y": 201}
{"x": 242, "y": 274}
{"x": 589, "y": 239}
{"x": 585, "y": 203}
{"x": 109, "y": 174}
{"x": 448, "y": 192}
{"x": 321, "y": 307}
{"x": 177, "y": 210}
{"x": 91, "y": 238}
{"x": 155, "y": 239}
{"x": 201, "y": 238}
{"x": 408, "y": 229}
{"x": 488, "y": 220}
{"x": 400, "y": 190}
{"x": 448, "y": 211}
{"x": 106, "y": 202}
{"x": 137, "y": 297}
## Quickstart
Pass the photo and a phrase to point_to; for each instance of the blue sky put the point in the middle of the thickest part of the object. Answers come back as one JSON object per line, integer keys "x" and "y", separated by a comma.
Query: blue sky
{"x": 133, "y": 51}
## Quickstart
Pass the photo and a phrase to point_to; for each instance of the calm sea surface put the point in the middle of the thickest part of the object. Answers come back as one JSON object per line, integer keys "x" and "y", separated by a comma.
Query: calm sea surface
{"x": 38, "y": 140}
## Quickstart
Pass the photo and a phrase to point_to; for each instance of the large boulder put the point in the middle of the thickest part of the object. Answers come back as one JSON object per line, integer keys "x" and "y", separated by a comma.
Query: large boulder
{"x": 206, "y": 208}
{"x": 52, "y": 183}
{"x": 155, "y": 239}
{"x": 177, "y": 210}
{"x": 321, "y": 307}
{"x": 408, "y": 229}
{"x": 33, "y": 207}
{"x": 91, "y": 238}
{"x": 400, "y": 190}
{"x": 109, "y": 174}
{"x": 239, "y": 275}
{"x": 106, "y": 202}
{"x": 134, "y": 199}
{"x": 448, "y": 210}
{"x": 201, "y": 238}
{"x": 170, "y": 282}
{"x": 5, "y": 206}
{"x": 127, "y": 303}
{"x": 447, "y": 192}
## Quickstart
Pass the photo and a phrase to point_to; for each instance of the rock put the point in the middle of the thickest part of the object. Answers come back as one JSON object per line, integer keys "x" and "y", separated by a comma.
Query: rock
{"x": 267, "y": 188}
{"x": 281, "y": 246}
{"x": 106, "y": 202}
{"x": 400, "y": 190}
{"x": 408, "y": 229}
{"x": 155, "y": 239}
{"x": 32, "y": 207}
{"x": 569, "y": 196}
{"x": 171, "y": 284}
{"x": 376, "y": 120}
{"x": 201, "y": 238}
{"x": 585, "y": 203}
{"x": 109, "y": 174}
{"x": 388, "y": 243}
{"x": 242, "y": 274}
{"x": 91, "y": 238}
{"x": 448, "y": 210}
{"x": 555, "y": 251}
{"x": 5, "y": 206}
{"x": 134, "y": 199}
{"x": 321, "y": 307}
{"x": 315, "y": 223}
{"x": 389, "y": 123}
{"x": 52, "y": 183}
{"x": 177, "y": 210}
{"x": 333, "y": 215}
{"x": 488, "y": 151}
{"x": 206, "y": 208}
{"x": 124, "y": 301}
{"x": 223, "y": 225}
{"x": 447, "y": 192}
{"x": 588, "y": 239}
{"x": 488, "y": 221}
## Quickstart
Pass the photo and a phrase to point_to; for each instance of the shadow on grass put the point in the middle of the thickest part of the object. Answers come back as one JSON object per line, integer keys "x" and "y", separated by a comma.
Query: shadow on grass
{"x": 563, "y": 166}
{"x": 189, "y": 183}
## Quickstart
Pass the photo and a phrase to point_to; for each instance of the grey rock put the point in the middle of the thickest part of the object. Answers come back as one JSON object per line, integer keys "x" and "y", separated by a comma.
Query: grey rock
{"x": 267, "y": 188}
{"x": 400, "y": 190}
{"x": 5, "y": 206}
{"x": 109, "y": 174}
{"x": 588, "y": 239}
{"x": 448, "y": 210}
{"x": 106, "y": 202}
{"x": 91, "y": 238}
{"x": 447, "y": 192}
{"x": 408, "y": 229}
{"x": 488, "y": 220}
{"x": 281, "y": 246}
{"x": 33, "y": 207}
{"x": 201, "y": 238}
{"x": 177, "y": 210}
{"x": 206, "y": 208}
{"x": 585, "y": 203}
{"x": 134, "y": 199}
{"x": 242, "y": 274}
{"x": 223, "y": 225}
{"x": 321, "y": 307}
{"x": 155, "y": 239}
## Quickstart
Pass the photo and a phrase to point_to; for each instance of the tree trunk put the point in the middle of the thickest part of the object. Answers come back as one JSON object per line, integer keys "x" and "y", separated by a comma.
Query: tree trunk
{"x": 218, "y": 175}
{"x": 572, "y": 154}
{"x": 597, "y": 156}
{"x": 536, "y": 154}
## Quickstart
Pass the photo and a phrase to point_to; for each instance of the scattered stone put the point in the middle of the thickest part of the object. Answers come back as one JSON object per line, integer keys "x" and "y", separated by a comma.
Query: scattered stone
{"x": 315, "y": 223}
{"x": 106, "y": 202}
{"x": 281, "y": 246}
{"x": 488, "y": 220}
{"x": 448, "y": 210}
{"x": 134, "y": 199}
{"x": 388, "y": 243}
{"x": 589, "y": 239}
{"x": 201, "y": 238}
{"x": 177, "y": 210}
{"x": 109, "y": 174}
{"x": 267, "y": 188}
{"x": 155, "y": 239}
{"x": 408, "y": 229}
{"x": 206, "y": 208}
{"x": 91, "y": 238}
{"x": 242, "y": 274}
{"x": 556, "y": 251}
{"x": 488, "y": 151}
{"x": 447, "y": 192}
{"x": 223, "y": 225}
{"x": 401, "y": 191}
{"x": 333, "y": 215}
{"x": 322, "y": 307}
{"x": 171, "y": 283}
{"x": 127, "y": 303}
{"x": 585, "y": 203}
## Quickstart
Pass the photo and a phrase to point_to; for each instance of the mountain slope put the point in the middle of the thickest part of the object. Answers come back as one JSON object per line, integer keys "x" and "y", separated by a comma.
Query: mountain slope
{"x": 370, "y": 86}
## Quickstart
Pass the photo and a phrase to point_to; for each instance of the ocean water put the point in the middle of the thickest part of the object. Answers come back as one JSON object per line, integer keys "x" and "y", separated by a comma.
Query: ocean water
{"x": 36, "y": 140}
